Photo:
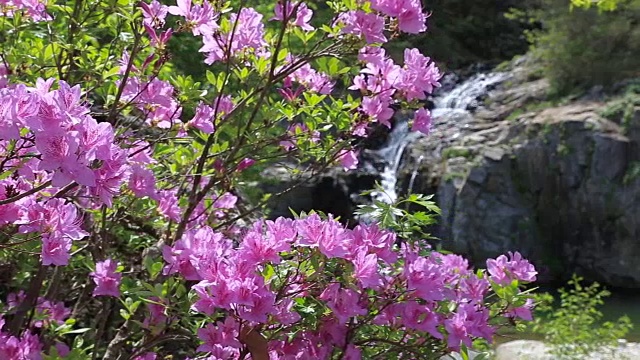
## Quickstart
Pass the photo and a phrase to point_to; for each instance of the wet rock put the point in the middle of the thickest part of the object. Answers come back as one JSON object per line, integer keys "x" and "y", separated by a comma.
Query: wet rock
{"x": 556, "y": 184}
{"x": 334, "y": 192}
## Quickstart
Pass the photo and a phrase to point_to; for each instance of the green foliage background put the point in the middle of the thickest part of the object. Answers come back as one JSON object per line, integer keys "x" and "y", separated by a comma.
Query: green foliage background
{"x": 579, "y": 48}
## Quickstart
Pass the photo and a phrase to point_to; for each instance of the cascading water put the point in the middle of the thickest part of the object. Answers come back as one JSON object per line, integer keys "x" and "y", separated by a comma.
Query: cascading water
{"x": 460, "y": 101}
{"x": 467, "y": 93}
{"x": 391, "y": 154}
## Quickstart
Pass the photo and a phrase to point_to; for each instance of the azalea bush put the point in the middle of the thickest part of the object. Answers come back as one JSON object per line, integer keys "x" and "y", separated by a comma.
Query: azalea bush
{"x": 127, "y": 228}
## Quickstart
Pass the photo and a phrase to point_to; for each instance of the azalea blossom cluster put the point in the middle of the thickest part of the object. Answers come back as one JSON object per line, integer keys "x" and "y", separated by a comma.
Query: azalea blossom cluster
{"x": 54, "y": 148}
{"x": 381, "y": 81}
{"x": 29, "y": 346}
{"x": 49, "y": 141}
{"x": 47, "y": 312}
{"x": 361, "y": 278}
{"x": 33, "y": 9}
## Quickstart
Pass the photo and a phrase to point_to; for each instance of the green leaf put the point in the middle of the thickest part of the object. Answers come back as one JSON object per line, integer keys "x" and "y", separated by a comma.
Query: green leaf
{"x": 268, "y": 272}
{"x": 211, "y": 78}
{"x": 463, "y": 352}
{"x": 76, "y": 331}
{"x": 125, "y": 314}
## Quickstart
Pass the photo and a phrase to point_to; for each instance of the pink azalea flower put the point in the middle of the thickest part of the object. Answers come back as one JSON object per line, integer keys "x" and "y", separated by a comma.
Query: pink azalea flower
{"x": 110, "y": 176}
{"x": 58, "y": 151}
{"x": 248, "y": 36}
{"x": 260, "y": 248}
{"x": 422, "y": 121}
{"x": 106, "y": 278}
{"x": 345, "y": 303}
{"x": 157, "y": 313}
{"x": 285, "y": 313}
{"x": 503, "y": 271}
{"x": 367, "y": 25}
{"x": 196, "y": 254}
{"x": 53, "y": 312}
{"x": 154, "y": 14}
{"x": 28, "y": 346}
{"x": 348, "y": 159}
{"x": 226, "y": 201}
{"x": 457, "y": 332}
{"x": 63, "y": 349}
{"x": 419, "y": 76}
{"x": 12, "y": 212}
{"x": 412, "y": 20}
{"x": 310, "y": 230}
{"x": 245, "y": 164}
{"x": 303, "y": 14}
{"x": 168, "y": 205}
{"x": 222, "y": 106}
{"x": 383, "y": 75}
{"x": 522, "y": 312}
{"x": 334, "y": 239}
{"x": 377, "y": 107}
{"x": 282, "y": 229}
{"x": 33, "y": 9}
{"x": 421, "y": 317}
{"x": 4, "y": 71}
{"x": 360, "y": 129}
{"x": 142, "y": 182}
{"x": 332, "y": 331}
{"x": 366, "y": 270}
{"x": 263, "y": 306}
{"x": 212, "y": 295}
{"x": 158, "y": 41}
{"x": 96, "y": 139}
{"x": 352, "y": 353}
{"x": 311, "y": 79}
{"x": 408, "y": 12}
{"x": 425, "y": 277}
{"x": 372, "y": 54}
{"x": 201, "y": 19}
{"x": 68, "y": 100}
{"x": 59, "y": 224}
{"x": 473, "y": 289}
{"x": 377, "y": 241}
{"x": 203, "y": 119}
{"x": 55, "y": 251}
{"x": 140, "y": 152}
{"x": 155, "y": 98}
{"x": 222, "y": 333}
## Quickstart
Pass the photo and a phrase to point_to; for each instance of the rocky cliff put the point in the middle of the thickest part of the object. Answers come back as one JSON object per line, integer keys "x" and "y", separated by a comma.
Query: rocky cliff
{"x": 556, "y": 182}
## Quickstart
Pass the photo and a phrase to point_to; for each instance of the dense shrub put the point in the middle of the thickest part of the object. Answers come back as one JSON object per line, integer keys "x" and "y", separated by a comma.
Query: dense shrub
{"x": 575, "y": 329}
{"x": 581, "y": 48}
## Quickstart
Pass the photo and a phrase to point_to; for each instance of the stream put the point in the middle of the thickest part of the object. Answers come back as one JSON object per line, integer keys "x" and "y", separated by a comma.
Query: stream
{"x": 461, "y": 100}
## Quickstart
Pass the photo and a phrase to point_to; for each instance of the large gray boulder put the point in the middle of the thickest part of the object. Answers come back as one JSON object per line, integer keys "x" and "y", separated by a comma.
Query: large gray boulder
{"x": 537, "y": 350}
{"x": 557, "y": 184}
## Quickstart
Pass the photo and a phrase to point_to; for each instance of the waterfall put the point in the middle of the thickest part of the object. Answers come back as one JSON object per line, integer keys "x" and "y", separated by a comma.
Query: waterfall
{"x": 460, "y": 101}
{"x": 467, "y": 93}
